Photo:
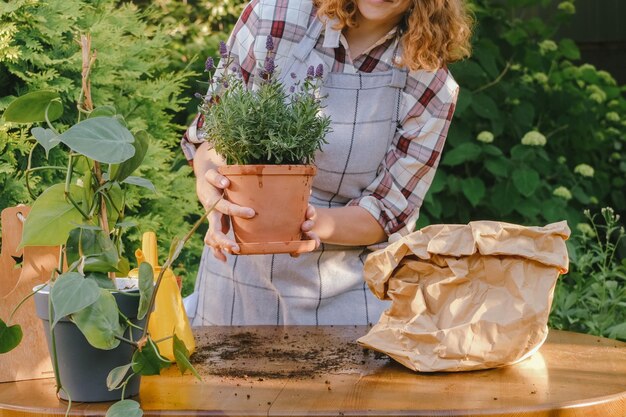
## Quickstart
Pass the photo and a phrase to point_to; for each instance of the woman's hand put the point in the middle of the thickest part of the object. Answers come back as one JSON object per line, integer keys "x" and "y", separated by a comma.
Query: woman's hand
{"x": 210, "y": 189}
{"x": 307, "y": 228}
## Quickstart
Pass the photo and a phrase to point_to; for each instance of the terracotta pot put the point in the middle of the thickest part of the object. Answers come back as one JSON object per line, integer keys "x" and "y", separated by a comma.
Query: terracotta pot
{"x": 279, "y": 194}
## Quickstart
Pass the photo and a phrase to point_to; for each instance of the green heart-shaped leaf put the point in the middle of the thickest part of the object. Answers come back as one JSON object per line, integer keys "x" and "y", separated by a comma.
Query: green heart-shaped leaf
{"x": 103, "y": 139}
{"x": 100, "y": 322}
{"x": 125, "y": 408}
{"x": 10, "y": 336}
{"x": 140, "y": 182}
{"x": 146, "y": 288}
{"x": 70, "y": 293}
{"x": 122, "y": 171}
{"x": 116, "y": 377}
{"x": 148, "y": 361}
{"x": 181, "y": 354}
{"x": 31, "y": 107}
{"x": 99, "y": 252}
{"x": 51, "y": 218}
{"x": 45, "y": 137}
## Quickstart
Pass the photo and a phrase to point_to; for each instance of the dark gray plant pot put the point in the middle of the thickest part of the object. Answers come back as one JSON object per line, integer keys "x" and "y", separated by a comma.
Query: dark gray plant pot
{"x": 83, "y": 369}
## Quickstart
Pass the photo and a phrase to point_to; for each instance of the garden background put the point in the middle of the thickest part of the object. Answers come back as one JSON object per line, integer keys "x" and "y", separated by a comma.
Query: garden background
{"x": 538, "y": 135}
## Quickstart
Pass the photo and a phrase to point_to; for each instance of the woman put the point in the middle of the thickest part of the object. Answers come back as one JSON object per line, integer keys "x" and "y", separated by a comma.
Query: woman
{"x": 390, "y": 98}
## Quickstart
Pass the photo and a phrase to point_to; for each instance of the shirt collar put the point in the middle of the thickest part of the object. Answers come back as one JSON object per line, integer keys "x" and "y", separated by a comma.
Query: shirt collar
{"x": 332, "y": 36}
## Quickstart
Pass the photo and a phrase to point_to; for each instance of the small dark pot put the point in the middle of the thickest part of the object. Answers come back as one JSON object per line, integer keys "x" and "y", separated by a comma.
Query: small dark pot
{"x": 83, "y": 369}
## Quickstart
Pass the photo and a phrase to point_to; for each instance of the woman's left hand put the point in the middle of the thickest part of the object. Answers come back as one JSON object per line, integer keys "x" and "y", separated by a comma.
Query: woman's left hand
{"x": 307, "y": 228}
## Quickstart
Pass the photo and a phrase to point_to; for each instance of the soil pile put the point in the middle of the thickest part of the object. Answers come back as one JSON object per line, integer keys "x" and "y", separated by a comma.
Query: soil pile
{"x": 283, "y": 352}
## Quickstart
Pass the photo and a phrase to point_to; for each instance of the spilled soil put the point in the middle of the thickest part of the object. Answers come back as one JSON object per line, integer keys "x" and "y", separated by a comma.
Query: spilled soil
{"x": 267, "y": 352}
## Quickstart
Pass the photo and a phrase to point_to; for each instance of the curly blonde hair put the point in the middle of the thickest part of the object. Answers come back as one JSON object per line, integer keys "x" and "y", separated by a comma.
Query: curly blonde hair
{"x": 435, "y": 32}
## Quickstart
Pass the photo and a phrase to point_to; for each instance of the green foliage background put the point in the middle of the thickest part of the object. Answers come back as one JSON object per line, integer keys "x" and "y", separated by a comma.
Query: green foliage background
{"x": 521, "y": 79}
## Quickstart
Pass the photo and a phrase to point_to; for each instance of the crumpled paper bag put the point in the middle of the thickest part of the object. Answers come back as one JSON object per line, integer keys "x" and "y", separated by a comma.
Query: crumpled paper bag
{"x": 466, "y": 297}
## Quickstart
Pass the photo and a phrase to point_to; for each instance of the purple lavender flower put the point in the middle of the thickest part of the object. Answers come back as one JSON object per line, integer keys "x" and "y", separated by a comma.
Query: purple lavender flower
{"x": 209, "y": 65}
{"x": 199, "y": 96}
{"x": 293, "y": 75}
{"x": 292, "y": 89}
{"x": 223, "y": 50}
{"x": 269, "y": 43}
{"x": 319, "y": 71}
{"x": 225, "y": 84}
{"x": 269, "y": 66}
{"x": 310, "y": 72}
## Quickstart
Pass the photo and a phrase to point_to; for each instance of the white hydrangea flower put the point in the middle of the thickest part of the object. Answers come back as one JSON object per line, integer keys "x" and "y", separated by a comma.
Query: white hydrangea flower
{"x": 485, "y": 137}
{"x": 567, "y": 7}
{"x": 613, "y": 116}
{"x": 597, "y": 98}
{"x": 561, "y": 159}
{"x": 607, "y": 77}
{"x": 534, "y": 138}
{"x": 586, "y": 229}
{"x": 547, "y": 46}
{"x": 584, "y": 170}
{"x": 597, "y": 94}
{"x": 540, "y": 77}
{"x": 563, "y": 193}
{"x": 584, "y": 67}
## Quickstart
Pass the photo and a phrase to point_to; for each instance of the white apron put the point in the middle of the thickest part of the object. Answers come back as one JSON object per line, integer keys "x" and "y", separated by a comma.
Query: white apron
{"x": 325, "y": 286}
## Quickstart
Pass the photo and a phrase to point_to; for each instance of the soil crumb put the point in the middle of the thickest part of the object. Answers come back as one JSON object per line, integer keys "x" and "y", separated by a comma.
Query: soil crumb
{"x": 262, "y": 353}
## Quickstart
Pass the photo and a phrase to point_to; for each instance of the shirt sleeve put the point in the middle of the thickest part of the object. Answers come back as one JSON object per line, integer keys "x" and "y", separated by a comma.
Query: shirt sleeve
{"x": 241, "y": 48}
{"x": 396, "y": 194}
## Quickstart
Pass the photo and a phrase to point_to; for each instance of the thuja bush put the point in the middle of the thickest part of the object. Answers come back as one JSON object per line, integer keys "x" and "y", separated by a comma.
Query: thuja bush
{"x": 537, "y": 137}
{"x": 132, "y": 77}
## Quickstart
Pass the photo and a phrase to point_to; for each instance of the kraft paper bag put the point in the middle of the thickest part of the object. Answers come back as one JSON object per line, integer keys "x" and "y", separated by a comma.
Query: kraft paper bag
{"x": 466, "y": 297}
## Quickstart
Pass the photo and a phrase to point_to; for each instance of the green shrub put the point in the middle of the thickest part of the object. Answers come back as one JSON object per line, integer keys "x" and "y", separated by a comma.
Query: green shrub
{"x": 592, "y": 297}
{"x": 535, "y": 137}
{"x": 38, "y": 50}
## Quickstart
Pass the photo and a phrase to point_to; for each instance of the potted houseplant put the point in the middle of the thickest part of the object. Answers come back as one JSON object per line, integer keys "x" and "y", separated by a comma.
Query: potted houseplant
{"x": 90, "y": 315}
{"x": 268, "y": 135}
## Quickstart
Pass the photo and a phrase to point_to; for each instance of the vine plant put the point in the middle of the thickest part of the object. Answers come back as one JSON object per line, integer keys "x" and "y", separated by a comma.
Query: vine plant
{"x": 84, "y": 216}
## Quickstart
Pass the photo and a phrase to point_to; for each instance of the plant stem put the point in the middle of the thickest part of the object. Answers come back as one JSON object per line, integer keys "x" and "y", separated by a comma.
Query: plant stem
{"x": 496, "y": 81}
{"x": 123, "y": 339}
{"x": 27, "y": 173}
{"x": 55, "y": 359}
{"x": 20, "y": 304}
{"x": 69, "y": 402}
{"x": 87, "y": 106}
{"x": 68, "y": 194}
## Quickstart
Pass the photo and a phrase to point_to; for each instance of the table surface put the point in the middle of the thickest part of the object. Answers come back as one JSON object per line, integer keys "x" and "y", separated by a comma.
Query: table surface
{"x": 321, "y": 371}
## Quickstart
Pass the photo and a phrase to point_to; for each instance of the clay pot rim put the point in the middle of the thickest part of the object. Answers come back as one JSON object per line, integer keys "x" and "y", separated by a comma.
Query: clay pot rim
{"x": 267, "y": 169}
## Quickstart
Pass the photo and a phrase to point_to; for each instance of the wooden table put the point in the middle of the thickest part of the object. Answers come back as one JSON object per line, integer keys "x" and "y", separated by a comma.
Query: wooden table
{"x": 320, "y": 371}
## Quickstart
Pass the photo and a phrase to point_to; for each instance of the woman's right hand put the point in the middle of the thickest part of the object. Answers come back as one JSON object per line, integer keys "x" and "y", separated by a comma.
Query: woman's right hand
{"x": 210, "y": 189}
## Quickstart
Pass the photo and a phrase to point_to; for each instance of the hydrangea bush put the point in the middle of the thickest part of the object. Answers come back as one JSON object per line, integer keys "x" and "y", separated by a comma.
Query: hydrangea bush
{"x": 536, "y": 137}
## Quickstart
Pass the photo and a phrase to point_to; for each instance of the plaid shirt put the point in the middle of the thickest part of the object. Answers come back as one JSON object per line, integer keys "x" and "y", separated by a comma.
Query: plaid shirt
{"x": 426, "y": 109}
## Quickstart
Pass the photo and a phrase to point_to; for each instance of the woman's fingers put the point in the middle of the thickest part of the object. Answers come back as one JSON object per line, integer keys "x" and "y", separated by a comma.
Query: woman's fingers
{"x": 307, "y": 229}
{"x": 220, "y": 183}
{"x": 217, "y": 239}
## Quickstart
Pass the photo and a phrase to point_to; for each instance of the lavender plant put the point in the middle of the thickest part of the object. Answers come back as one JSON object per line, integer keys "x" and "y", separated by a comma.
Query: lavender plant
{"x": 267, "y": 124}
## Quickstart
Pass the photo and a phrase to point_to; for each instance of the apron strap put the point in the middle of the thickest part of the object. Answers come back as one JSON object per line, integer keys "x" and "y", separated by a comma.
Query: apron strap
{"x": 398, "y": 78}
